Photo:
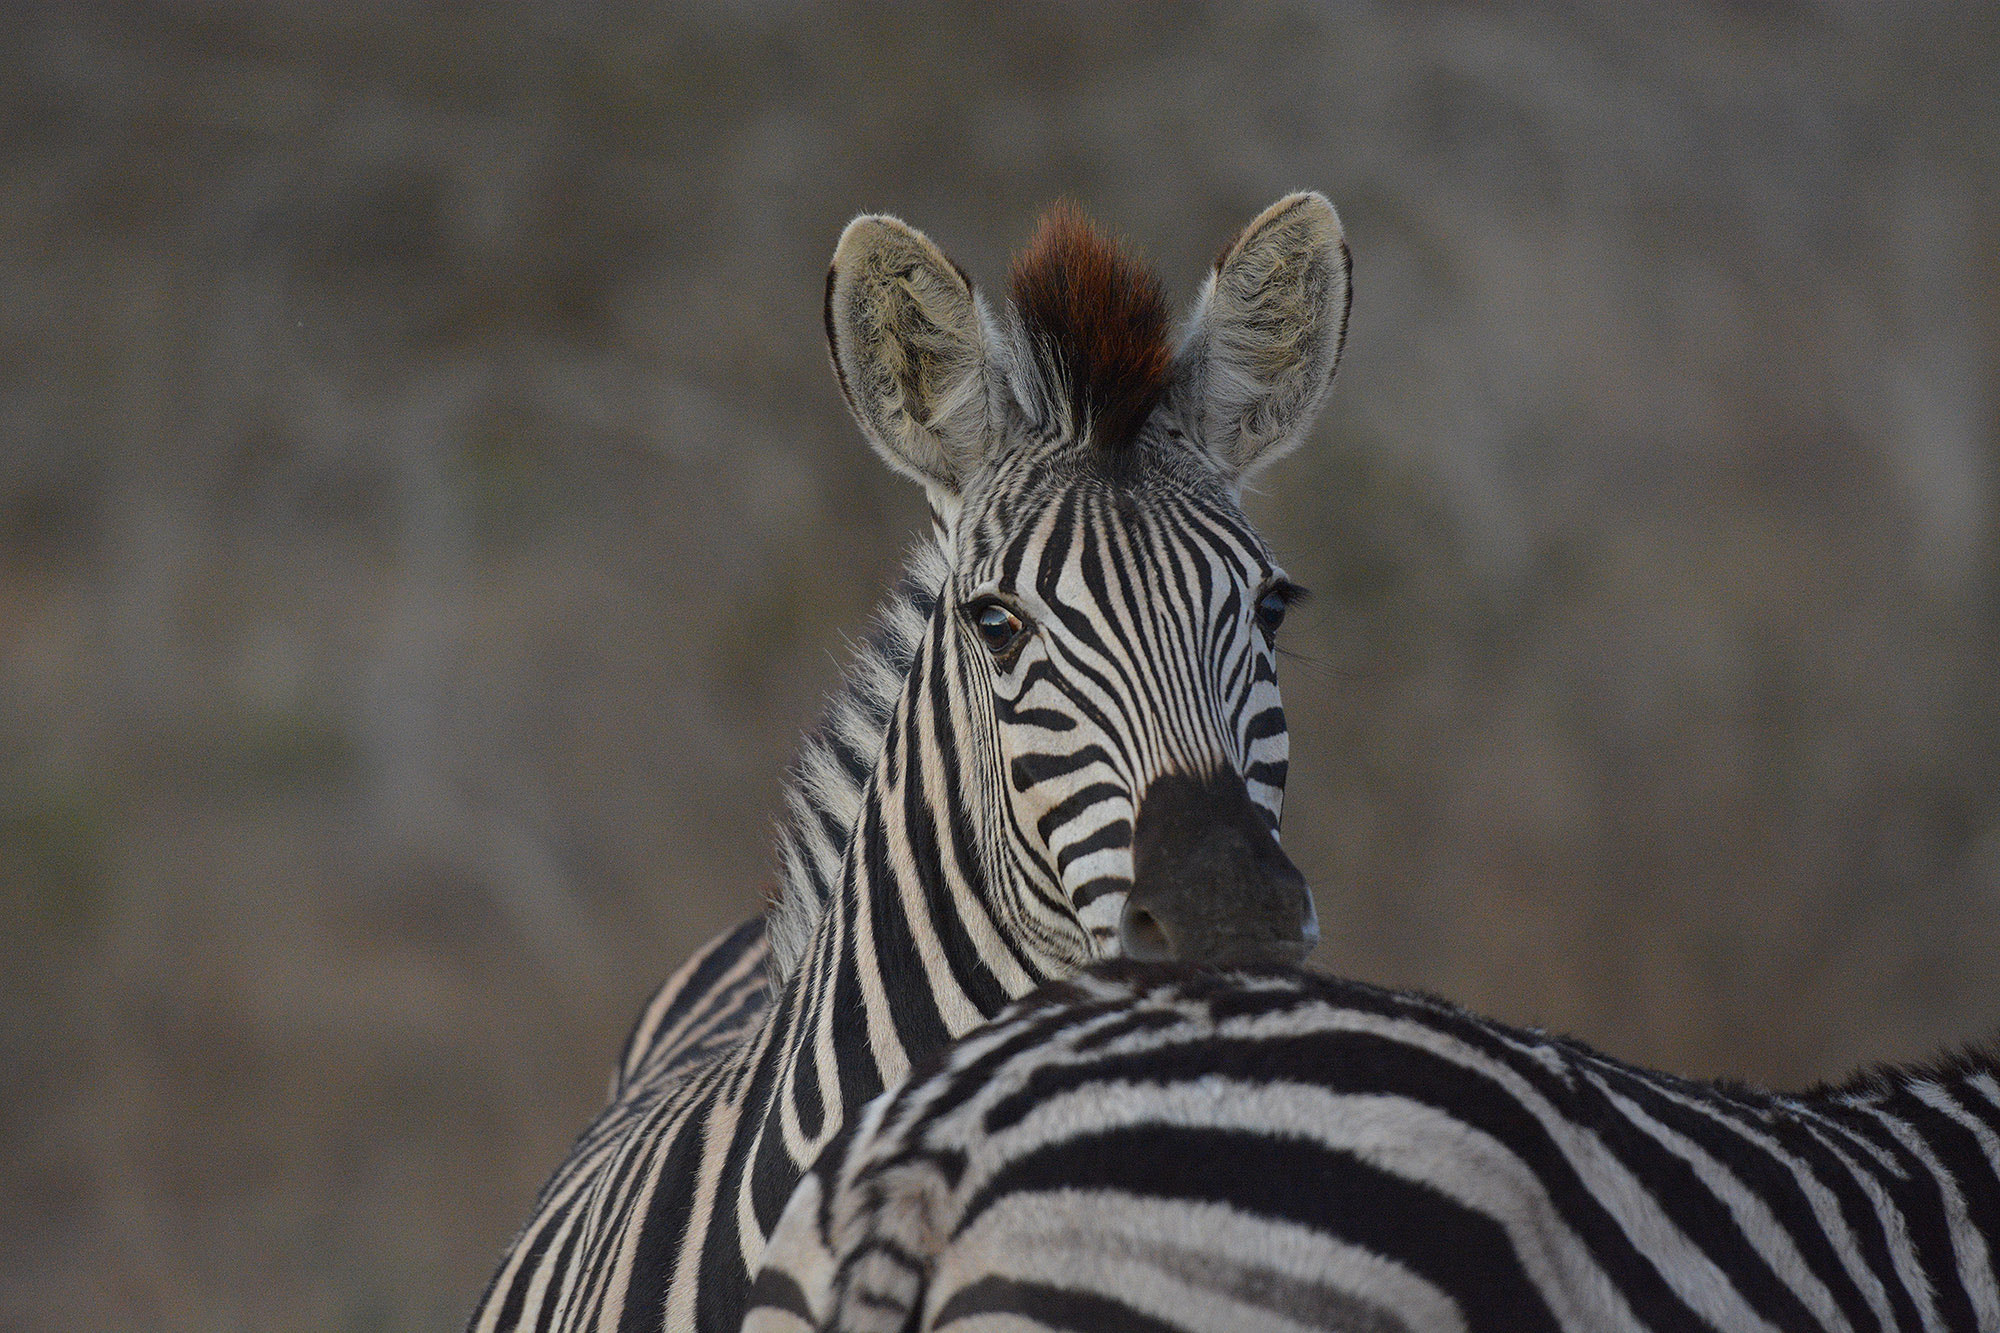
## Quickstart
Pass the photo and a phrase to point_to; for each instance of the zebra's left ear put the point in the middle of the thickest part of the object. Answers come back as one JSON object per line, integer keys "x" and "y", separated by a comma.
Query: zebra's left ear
{"x": 1266, "y": 334}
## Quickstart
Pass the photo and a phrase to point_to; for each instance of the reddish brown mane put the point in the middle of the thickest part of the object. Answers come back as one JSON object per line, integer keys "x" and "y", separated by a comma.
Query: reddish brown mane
{"x": 1099, "y": 322}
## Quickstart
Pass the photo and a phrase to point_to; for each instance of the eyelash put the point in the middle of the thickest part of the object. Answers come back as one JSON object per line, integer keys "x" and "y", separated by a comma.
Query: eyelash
{"x": 1287, "y": 594}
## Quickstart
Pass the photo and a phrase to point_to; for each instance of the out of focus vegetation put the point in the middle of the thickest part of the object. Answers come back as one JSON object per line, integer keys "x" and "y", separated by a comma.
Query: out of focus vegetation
{"x": 427, "y": 519}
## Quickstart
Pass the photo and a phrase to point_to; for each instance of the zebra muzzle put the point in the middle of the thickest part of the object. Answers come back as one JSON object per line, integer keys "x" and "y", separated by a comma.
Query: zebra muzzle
{"x": 1209, "y": 882}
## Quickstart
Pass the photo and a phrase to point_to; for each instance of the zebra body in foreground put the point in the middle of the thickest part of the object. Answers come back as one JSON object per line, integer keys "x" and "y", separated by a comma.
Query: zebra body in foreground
{"x": 1152, "y": 1147}
{"x": 1063, "y": 741}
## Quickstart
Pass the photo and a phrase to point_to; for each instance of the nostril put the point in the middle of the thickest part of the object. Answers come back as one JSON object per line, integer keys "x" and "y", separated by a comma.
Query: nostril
{"x": 1142, "y": 936}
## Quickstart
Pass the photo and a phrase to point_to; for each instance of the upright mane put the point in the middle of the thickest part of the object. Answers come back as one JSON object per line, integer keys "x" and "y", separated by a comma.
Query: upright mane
{"x": 1974, "y": 1059}
{"x": 823, "y": 789}
{"x": 1096, "y": 324}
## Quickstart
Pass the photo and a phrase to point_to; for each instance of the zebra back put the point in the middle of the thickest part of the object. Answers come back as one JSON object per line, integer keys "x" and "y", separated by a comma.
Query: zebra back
{"x": 700, "y": 1016}
{"x": 710, "y": 1003}
{"x": 1153, "y": 1148}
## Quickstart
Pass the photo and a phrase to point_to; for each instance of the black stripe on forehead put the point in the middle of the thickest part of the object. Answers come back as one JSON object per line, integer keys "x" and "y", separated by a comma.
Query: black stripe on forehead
{"x": 1042, "y": 525}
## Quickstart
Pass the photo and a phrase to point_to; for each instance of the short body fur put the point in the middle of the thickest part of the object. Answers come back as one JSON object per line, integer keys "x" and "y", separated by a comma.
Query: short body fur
{"x": 1154, "y": 1148}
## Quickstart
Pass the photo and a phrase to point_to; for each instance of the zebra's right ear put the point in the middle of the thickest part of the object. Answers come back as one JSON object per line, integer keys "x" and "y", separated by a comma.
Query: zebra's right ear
{"x": 909, "y": 341}
{"x": 1266, "y": 335}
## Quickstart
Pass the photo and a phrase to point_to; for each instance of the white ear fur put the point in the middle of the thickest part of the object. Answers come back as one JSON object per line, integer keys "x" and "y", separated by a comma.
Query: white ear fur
{"x": 1266, "y": 334}
{"x": 910, "y": 345}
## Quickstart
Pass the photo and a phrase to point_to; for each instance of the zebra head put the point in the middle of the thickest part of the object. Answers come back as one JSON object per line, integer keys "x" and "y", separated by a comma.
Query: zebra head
{"x": 1104, "y": 642}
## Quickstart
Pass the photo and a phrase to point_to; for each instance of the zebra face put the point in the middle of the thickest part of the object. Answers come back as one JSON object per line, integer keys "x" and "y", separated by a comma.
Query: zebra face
{"x": 1118, "y": 635}
{"x": 1107, "y": 626}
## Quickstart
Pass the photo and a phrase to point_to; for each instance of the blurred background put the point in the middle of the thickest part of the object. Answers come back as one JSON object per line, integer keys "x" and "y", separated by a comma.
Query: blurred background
{"x": 427, "y": 520}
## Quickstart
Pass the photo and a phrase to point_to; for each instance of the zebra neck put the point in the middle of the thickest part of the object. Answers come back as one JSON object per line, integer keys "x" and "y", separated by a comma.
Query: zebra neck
{"x": 907, "y": 956}
{"x": 898, "y": 962}
{"x": 825, "y": 789}
{"x": 1926, "y": 1124}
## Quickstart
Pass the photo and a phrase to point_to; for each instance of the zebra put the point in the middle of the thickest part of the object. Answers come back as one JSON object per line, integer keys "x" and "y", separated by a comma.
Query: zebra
{"x": 1151, "y": 1147}
{"x": 1062, "y": 741}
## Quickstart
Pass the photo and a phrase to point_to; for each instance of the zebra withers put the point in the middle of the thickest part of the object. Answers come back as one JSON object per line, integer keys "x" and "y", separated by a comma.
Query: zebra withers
{"x": 1063, "y": 742}
{"x": 1148, "y": 1148}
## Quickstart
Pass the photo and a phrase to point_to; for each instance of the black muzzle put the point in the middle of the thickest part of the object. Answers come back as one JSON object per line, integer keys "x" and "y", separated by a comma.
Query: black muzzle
{"x": 1209, "y": 882}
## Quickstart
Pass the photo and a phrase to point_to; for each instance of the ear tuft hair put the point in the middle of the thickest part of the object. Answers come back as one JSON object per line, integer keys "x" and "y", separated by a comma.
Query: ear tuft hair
{"x": 1097, "y": 325}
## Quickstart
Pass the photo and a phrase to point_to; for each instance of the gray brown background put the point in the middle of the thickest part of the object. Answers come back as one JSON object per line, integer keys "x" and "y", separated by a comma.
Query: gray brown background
{"x": 427, "y": 519}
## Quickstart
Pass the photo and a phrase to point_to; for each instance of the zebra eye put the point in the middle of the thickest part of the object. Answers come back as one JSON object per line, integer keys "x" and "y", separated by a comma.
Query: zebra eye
{"x": 999, "y": 629}
{"x": 1271, "y": 610}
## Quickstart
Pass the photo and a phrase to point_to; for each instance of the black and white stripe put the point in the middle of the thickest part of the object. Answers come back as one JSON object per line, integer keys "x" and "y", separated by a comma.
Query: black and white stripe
{"x": 708, "y": 1008}
{"x": 1149, "y": 1147}
{"x": 964, "y": 829}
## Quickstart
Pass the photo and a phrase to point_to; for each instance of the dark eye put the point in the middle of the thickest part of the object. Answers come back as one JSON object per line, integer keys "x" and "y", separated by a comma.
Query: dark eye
{"x": 1271, "y": 606}
{"x": 999, "y": 629}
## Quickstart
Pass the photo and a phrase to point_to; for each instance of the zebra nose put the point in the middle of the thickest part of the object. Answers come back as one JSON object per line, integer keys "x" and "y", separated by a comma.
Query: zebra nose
{"x": 1209, "y": 882}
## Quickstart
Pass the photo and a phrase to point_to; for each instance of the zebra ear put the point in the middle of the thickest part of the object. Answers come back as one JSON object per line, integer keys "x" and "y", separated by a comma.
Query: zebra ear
{"x": 1266, "y": 334}
{"x": 909, "y": 342}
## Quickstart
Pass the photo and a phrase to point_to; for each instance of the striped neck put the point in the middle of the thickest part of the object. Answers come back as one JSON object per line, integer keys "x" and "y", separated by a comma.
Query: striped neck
{"x": 1945, "y": 1117}
{"x": 908, "y": 940}
{"x": 904, "y": 955}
